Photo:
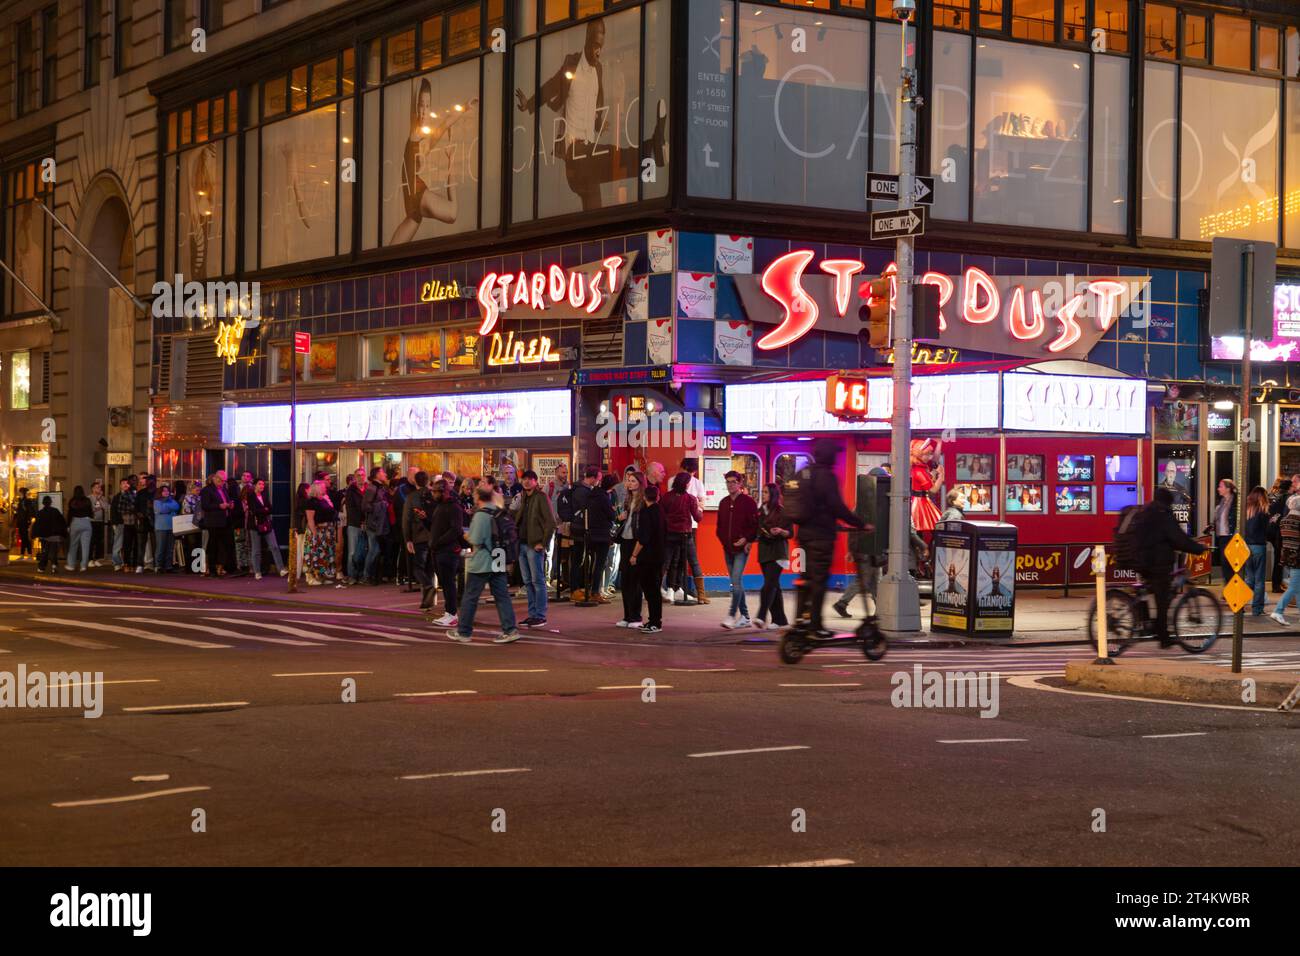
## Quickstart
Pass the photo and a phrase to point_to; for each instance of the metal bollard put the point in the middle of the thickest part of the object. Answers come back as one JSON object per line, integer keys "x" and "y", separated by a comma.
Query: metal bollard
{"x": 1099, "y": 569}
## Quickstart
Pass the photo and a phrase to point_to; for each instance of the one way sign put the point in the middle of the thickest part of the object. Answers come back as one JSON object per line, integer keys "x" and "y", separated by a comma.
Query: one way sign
{"x": 895, "y": 225}
{"x": 885, "y": 186}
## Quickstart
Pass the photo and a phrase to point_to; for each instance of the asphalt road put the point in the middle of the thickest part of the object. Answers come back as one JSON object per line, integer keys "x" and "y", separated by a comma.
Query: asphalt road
{"x": 549, "y": 751}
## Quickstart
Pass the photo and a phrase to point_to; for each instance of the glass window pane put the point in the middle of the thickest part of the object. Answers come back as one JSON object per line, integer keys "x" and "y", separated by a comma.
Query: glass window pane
{"x": 219, "y": 116}
{"x": 523, "y": 136}
{"x": 1074, "y": 21}
{"x": 803, "y": 117}
{"x": 1031, "y": 111}
{"x": 1034, "y": 20}
{"x": 954, "y": 14}
{"x": 1291, "y": 63}
{"x": 1110, "y": 146}
{"x": 710, "y": 96}
{"x": 20, "y": 380}
{"x": 1293, "y": 167}
{"x": 383, "y": 355}
{"x": 991, "y": 14}
{"x": 1162, "y": 32}
{"x": 587, "y": 8}
{"x": 950, "y": 155}
{"x": 463, "y": 31}
{"x": 1269, "y": 49}
{"x": 658, "y": 77}
{"x": 399, "y": 53}
{"x": 423, "y": 352}
{"x": 1229, "y": 156}
{"x": 1232, "y": 42}
{"x": 298, "y": 158}
{"x": 324, "y": 360}
{"x": 201, "y": 122}
{"x": 526, "y": 17}
{"x": 349, "y": 71}
{"x": 1112, "y": 16}
{"x": 1160, "y": 130}
{"x": 462, "y": 348}
{"x": 556, "y": 10}
{"x": 430, "y": 42}
{"x": 325, "y": 79}
{"x": 200, "y": 210}
{"x": 1194, "y": 47}
{"x": 298, "y": 89}
{"x": 171, "y": 131}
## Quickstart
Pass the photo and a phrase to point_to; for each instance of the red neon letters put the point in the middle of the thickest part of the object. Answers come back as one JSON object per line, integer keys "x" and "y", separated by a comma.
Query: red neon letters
{"x": 843, "y": 270}
{"x": 977, "y": 281}
{"x": 539, "y": 290}
{"x": 1026, "y": 330}
{"x": 783, "y": 282}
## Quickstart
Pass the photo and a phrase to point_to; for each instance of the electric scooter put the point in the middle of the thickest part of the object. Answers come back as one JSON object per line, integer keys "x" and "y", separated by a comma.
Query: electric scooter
{"x": 800, "y": 639}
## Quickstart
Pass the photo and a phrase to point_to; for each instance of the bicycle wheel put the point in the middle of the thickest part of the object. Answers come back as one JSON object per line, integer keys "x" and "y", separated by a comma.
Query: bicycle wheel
{"x": 1121, "y": 621}
{"x": 1197, "y": 617}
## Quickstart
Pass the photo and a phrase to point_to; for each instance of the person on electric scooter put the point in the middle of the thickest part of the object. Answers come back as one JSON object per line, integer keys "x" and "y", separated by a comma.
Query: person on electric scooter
{"x": 1161, "y": 537}
{"x": 823, "y": 506}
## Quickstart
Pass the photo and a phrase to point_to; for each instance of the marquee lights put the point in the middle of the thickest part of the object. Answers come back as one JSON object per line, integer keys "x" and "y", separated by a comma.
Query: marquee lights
{"x": 229, "y": 335}
{"x": 981, "y": 302}
{"x": 542, "y": 289}
{"x": 439, "y": 291}
{"x": 512, "y": 351}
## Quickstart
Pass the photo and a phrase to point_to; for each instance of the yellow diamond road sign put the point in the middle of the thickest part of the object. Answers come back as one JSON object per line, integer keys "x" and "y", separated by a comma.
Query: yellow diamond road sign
{"x": 1237, "y": 552}
{"x": 1237, "y": 593}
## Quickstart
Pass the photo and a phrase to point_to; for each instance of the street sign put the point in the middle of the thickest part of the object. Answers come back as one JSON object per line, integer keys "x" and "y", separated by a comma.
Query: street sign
{"x": 885, "y": 186}
{"x": 900, "y": 223}
{"x": 1228, "y": 279}
{"x": 302, "y": 343}
{"x": 1237, "y": 593}
{"x": 1237, "y": 552}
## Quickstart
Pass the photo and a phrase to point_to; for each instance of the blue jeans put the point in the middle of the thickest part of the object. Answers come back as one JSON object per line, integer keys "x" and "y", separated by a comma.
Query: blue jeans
{"x": 532, "y": 568}
{"x": 255, "y": 539}
{"x": 1292, "y": 591}
{"x": 736, "y": 570}
{"x": 118, "y": 535}
{"x": 162, "y": 550}
{"x": 692, "y": 563}
{"x": 374, "y": 551}
{"x": 474, "y": 584}
{"x": 1254, "y": 573}
{"x": 79, "y": 541}
{"x": 356, "y": 552}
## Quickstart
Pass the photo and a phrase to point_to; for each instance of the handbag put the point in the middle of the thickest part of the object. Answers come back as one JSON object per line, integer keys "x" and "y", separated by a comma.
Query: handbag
{"x": 184, "y": 524}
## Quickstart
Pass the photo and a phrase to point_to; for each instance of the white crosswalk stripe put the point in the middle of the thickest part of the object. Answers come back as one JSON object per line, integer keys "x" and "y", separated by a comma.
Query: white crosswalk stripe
{"x": 301, "y": 632}
{"x": 372, "y": 629}
{"x": 85, "y": 643}
{"x": 226, "y": 632}
{"x": 131, "y": 632}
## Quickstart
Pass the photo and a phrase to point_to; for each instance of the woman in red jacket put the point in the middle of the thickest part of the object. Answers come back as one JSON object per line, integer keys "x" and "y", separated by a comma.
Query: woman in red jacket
{"x": 679, "y": 508}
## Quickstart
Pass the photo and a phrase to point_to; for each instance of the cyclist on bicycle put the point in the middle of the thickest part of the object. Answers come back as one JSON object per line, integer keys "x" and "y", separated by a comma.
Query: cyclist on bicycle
{"x": 1161, "y": 537}
{"x": 824, "y": 506}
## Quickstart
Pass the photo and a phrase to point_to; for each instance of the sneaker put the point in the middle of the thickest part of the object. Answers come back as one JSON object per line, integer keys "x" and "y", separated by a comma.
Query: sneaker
{"x": 284, "y": 573}
{"x": 139, "y": 570}
{"x": 257, "y": 576}
{"x": 447, "y": 620}
{"x": 601, "y": 599}
{"x": 744, "y": 622}
{"x": 68, "y": 567}
{"x": 538, "y": 622}
{"x": 651, "y": 629}
{"x": 730, "y": 622}
{"x": 760, "y": 624}
{"x": 509, "y": 637}
{"x": 458, "y": 637}
{"x": 528, "y": 622}
{"x": 1279, "y": 618}
{"x": 627, "y": 624}
{"x": 679, "y": 596}
{"x": 666, "y": 594}
{"x": 841, "y": 609}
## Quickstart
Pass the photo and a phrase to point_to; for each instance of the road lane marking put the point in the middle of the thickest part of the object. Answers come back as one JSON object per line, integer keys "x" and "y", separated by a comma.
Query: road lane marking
{"x": 135, "y": 796}
{"x": 224, "y": 632}
{"x": 312, "y": 635}
{"x": 756, "y": 750}
{"x": 352, "y": 629}
{"x": 436, "y": 693}
{"x": 701, "y": 670}
{"x": 253, "y": 610}
{"x": 323, "y": 674}
{"x": 988, "y": 740}
{"x": 151, "y": 777}
{"x": 635, "y": 687}
{"x": 130, "y": 632}
{"x": 1028, "y": 682}
{"x": 160, "y": 707}
{"x": 818, "y": 685}
{"x": 463, "y": 773}
{"x": 1164, "y": 736}
{"x": 508, "y": 670}
{"x": 831, "y": 862}
{"x": 85, "y": 643}
{"x": 83, "y": 683}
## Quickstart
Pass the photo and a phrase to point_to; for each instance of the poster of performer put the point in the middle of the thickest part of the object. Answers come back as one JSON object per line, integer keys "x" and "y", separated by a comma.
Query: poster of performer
{"x": 199, "y": 222}
{"x": 299, "y": 161}
{"x": 592, "y": 148}
{"x": 952, "y": 553}
{"x": 995, "y": 584}
{"x": 431, "y": 127}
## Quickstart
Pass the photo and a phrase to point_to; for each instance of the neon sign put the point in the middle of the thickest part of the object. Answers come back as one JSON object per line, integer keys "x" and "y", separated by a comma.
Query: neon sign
{"x": 538, "y": 291}
{"x": 229, "y": 335}
{"x": 1073, "y": 403}
{"x": 925, "y": 355}
{"x": 1017, "y": 315}
{"x": 439, "y": 291}
{"x": 509, "y": 351}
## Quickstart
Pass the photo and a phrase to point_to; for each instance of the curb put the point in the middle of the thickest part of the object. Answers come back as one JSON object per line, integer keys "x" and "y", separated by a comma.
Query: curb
{"x": 1197, "y": 683}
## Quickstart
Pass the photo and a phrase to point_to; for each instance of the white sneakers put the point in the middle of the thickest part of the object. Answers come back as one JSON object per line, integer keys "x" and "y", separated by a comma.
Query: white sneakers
{"x": 736, "y": 621}
{"x": 666, "y": 594}
{"x": 631, "y": 624}
{"x": 1279, "y": 618}
{"x": 679, "y": 596}
{"x": 447, "y": 620}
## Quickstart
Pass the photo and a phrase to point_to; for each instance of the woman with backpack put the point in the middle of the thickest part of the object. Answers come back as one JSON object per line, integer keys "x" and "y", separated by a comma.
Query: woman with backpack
{"x": 1289, "y": 533}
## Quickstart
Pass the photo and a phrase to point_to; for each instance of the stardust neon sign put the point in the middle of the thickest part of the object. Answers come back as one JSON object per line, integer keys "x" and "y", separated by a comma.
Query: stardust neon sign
{"x": 512, "y": 351}
{"x": 540, "y": 290}
{"x": 1029, "y": 315}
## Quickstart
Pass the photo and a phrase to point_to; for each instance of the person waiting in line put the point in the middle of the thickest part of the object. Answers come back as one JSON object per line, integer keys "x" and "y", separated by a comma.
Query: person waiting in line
{"x": 321, "y": 518}
{"x": 1224, "y": 524}
{"x": 600, "y": 530}
{"x": 736, "y": 530}
{"x": 165, "y": 508}
{"x": 217, "y": 507}
{"x": 50, "y": 528}
{"x": 417, "y": 519}
{"x": 122, "y": 512}
{"x": 646, "y": 562}
{"x": 98, "y": 521}
{"x": 625, "y": 525}
{"x": 556, "y": 489}
{"x": 694, "y": 573}
{"x": 774, "y": 532}
{"x": 1277, "y": 496}
{"x": 78, "y": 512}
{"x": 145, "y": 490}
{"x": 356, "y": 514}
{"x": 957, "y": 505}
{"x": 375, "y": 511}
{"x": 681, "y": 511}
{"x": 536, "y": 528}
{"x": 1290, "y": 558}
{"x": 446, "y": 537}
{"x": 24, "y": 515}
{"x": 481, "y": 573}
{"x": 303, "y": 496}
{"x": 260, "y": 530}
{"x": 1256, "y": 537}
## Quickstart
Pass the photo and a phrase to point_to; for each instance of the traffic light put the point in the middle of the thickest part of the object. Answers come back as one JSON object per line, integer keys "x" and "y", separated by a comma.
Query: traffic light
{"x": 876, "y": 313}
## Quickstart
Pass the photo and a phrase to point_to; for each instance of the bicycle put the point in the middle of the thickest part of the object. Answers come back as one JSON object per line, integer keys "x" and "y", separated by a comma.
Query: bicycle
{"x": 1195, "y": 616}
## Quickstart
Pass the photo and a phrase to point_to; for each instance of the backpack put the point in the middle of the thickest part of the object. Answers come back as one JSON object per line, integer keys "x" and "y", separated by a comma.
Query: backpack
{"x": 1128, "y": 546}
{"x": 505, "y": 535}
{"x": 797, "y": 494}
{"x": 377, "y": 520}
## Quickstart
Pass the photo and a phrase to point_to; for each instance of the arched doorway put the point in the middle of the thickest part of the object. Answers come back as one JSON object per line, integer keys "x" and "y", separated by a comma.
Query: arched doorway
{"x": 98, "y": 338}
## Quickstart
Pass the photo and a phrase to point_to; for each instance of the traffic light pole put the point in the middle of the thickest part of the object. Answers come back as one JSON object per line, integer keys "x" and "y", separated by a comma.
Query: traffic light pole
{"x": 899, "y": 602}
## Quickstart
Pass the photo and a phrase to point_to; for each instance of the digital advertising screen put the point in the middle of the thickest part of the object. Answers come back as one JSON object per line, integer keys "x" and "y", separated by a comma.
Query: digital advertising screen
{"x": 1024, "y": 467}
{"x": 975, "y": 467}
{"x": 1122, "y": 468}
{"x": 1118, "y": 497}
{"x": 1075, "y": 500}
{"x": 1074, "y": 467}
{"x": 980, "y": 498}
{"x": 1024, "y": 499}
{"x": 1282, "y": 346}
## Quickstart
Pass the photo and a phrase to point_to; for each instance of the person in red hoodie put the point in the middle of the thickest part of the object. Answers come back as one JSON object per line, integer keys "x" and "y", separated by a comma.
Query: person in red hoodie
{"x": 679, "y": 507}
{"x": 737, "y": 529}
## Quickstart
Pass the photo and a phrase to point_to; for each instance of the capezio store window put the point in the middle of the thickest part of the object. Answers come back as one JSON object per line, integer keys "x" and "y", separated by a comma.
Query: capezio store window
{"x": 199, "y": 168}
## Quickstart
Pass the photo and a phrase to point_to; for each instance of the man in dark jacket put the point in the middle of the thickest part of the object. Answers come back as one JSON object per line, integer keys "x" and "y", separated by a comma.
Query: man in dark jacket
{"x": 417, "y": 516}
{"x": 217, "y": 504}
{"x": 576, "y": 513}
{"x": 824, "y": 508}
{"x": 1162, "y": 538}
{"x": 737, "y": 529}
{"x": 600, "y": 524}
{"x": 144, "y": 494}
{"x": 536, "y": 527}
{"x": 51, "y": 529}
{"x": 355, "y": 500}
{"x": 446, "y": 529}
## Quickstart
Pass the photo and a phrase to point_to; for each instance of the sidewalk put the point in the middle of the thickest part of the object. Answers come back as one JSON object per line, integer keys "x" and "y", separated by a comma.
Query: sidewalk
{"x": 1042, "y": 618}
